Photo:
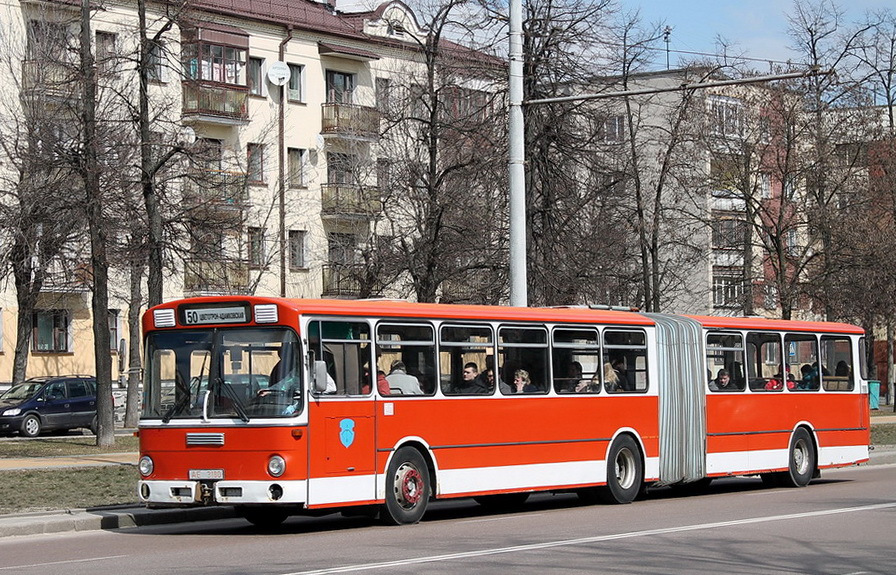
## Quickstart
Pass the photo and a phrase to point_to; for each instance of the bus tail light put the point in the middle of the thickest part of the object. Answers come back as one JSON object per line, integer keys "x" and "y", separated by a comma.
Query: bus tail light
{"x": 276, "y": 466}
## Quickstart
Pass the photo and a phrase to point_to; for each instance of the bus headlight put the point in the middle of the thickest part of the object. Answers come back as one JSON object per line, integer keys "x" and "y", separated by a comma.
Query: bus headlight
{"x": 276, "y": 466}
{"x": 145, "y": 466}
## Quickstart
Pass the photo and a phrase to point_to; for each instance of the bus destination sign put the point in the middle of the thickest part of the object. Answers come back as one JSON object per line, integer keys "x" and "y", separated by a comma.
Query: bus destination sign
{"x": 215, "y": 315}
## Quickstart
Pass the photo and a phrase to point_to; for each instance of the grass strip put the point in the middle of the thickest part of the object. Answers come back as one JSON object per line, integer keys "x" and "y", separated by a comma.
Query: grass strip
{"x": 61, "y": 446}
{"x": 51, "y": 489}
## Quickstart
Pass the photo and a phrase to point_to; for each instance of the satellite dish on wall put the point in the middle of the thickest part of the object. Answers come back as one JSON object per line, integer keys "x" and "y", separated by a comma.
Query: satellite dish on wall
{"x": 278, "y": 73}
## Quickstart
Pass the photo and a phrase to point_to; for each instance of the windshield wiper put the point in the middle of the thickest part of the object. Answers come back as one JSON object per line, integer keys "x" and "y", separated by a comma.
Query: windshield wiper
{"x": 231, "y": 395}
{"x": 180, "y": 403}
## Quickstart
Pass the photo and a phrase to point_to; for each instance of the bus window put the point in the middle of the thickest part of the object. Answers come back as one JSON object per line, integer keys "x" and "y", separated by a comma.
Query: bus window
{"x": 626, "y": 352}
{"x": 802, "y": 361}
{"x": 837, "y": 371}
{"x": 764, "y": 370}
{"x": 725, "y": 356}
{"x": 464, "y": 353}
{"x": 575, "y": 361}
{"x": 405, "y": 354}
{"x": 345, "y": 347}
{"x": 523, "y": 352}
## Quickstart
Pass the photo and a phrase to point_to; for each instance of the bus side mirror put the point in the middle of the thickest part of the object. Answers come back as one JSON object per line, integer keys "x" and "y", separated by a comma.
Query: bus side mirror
{"x": 320, "y": 376}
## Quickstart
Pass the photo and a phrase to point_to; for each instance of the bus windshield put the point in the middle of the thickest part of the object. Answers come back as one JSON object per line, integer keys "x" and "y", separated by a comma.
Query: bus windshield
{"x": 222, "y": 373}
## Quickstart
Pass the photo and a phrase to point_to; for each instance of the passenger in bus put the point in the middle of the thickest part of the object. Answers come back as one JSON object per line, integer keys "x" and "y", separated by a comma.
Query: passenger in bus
{"x": 809, "y": 377}
{"x": 842, "y": 369}
{"x": 622, "y": 381}
{"x": 471, "y": 382}
{"x": 722, "y": 382}
{"x": 490, "y": 382}
{"x": 578, "y": 383}
{"x": 382, "y": 384}
{"x": 400, "y": 381}
{"x": 611, "y": 378}
{"x": 522, "y": 383}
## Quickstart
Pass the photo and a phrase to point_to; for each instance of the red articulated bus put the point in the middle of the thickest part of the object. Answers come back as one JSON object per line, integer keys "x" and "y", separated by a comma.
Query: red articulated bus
{"x": 287, "y": 406}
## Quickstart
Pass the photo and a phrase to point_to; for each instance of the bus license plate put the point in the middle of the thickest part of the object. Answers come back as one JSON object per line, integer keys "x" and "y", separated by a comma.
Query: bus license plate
{"x": 206, "y": 474}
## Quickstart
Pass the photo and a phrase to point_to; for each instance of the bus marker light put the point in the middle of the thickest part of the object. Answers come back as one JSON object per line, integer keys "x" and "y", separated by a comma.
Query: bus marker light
{"x": 297, "y": 433}
{"x": 163, "y": 318}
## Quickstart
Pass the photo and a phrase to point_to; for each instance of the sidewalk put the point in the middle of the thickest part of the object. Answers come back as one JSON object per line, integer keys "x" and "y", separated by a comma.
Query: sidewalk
{"x": 136, "y": 516}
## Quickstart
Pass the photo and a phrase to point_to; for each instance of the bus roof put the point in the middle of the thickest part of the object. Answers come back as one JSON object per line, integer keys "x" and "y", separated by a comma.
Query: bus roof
{"x": 758, "y": 323}
{"x": 400, "y": 308}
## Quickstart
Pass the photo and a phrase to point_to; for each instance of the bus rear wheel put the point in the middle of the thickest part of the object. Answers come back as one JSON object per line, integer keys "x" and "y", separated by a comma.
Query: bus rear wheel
{"x": 802, "y": 460}
{"x": 625, "y": 472}
{"x": 407, "y": 488}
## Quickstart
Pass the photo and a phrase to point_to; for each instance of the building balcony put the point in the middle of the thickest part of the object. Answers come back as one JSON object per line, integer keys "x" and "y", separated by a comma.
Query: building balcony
{"x": 49, "y": 78}
{"x": 215, "y": 103}
{"x": 350, "y": 121}
{"x": 207, "y": 277}
{"x": 349, "y": 281}
{"x": 216, "y": 188}
{"x": 345, "y": 200}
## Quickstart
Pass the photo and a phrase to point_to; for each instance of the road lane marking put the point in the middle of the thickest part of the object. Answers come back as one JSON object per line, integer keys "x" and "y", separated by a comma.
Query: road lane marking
{"x": 70, "y": 561}
{"x": 586, "y": 540}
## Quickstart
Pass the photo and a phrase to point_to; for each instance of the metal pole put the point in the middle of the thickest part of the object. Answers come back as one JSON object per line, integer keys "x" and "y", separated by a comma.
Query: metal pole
{"x": 517, "y": 171}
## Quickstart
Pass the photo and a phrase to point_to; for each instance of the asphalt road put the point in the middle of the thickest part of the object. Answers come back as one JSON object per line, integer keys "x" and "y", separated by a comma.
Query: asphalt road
{"x": 841, "y": 524}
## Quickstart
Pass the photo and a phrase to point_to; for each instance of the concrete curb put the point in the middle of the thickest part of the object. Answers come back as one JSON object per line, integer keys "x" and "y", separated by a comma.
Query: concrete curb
{"x": 104, "y": 518}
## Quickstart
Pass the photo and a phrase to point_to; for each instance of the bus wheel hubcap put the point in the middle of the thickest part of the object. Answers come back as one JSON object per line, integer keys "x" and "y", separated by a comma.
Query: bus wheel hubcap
{"x": 408, "y": 486}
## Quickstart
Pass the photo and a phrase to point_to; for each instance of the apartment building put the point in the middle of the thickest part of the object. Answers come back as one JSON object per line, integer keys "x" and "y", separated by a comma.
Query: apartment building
{"x": 270, "y": 114}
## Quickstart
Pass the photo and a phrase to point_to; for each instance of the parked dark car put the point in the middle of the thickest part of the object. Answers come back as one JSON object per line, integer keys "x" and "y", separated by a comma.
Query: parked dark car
{"x": 49, "y": 403}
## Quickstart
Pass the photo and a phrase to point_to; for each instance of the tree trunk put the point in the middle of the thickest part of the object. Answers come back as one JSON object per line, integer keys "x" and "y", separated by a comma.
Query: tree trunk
{"x": 133, "y": 395}
{"x": 150, "y": 198}
{"x": 90, "y": 172}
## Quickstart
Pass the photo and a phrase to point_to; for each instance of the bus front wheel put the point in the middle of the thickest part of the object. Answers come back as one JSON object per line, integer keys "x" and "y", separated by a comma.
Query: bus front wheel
{"x": 407, "y": 487}
{"x": 625, "y": 472}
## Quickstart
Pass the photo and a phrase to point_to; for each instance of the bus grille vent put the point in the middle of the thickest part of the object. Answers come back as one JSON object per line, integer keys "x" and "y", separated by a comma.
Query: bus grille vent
{"x": 205, "y": 439}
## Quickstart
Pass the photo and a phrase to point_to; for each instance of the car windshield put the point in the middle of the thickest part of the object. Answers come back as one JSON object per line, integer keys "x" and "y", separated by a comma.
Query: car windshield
{"x": 23, "y": 390}
{"x": 222, "y": 373}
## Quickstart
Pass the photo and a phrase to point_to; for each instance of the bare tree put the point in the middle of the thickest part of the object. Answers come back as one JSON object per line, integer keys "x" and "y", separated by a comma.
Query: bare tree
{"x": 442, "y": 149}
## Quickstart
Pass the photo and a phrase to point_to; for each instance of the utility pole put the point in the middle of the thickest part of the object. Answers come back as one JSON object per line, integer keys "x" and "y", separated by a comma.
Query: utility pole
{"x": 517, "y": 171}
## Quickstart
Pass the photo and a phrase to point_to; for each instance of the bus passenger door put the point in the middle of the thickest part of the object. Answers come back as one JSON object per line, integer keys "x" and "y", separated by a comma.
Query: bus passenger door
{"x": 341, "y": 424}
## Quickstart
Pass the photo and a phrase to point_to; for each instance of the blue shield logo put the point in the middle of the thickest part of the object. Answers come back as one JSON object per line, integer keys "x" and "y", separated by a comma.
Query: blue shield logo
{"x": 347, "y": 432}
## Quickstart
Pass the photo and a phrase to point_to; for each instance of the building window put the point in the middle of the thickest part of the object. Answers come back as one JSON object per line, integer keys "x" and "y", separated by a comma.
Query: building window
{"x": 297, "y": 249}
{"x": 296, "y": 162}
{"x": 340, "y": 168}
{"x": 383, "y": 94}
{"x": 255, "y": 154}
{"x": 726, "y": 116}
{"x": 50, "y": 331}
{"x": 613, "y": 129}
{"x": 724, "y": 176}
{"x": 765, "y": 185}
{"x": 256, "y": 76}
{"x": 206, "y": 242}
{"x": 156, "y": 70}
{"x": 256, "y": 247}
{"x": 114, "y": 329}
{"x": 384, "y": 174}
{"x": 105, "y": 52}
{"x": 727, "y": 289}
{"x": 47, "y": 41}
{"x": 728, "y": 232}
{"x": 340, "y": 87}
{"x": 294, "y": 87}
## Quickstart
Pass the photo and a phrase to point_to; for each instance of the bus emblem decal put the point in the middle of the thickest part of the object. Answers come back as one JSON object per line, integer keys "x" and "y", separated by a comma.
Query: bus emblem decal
{"x": 347, "y": 433}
